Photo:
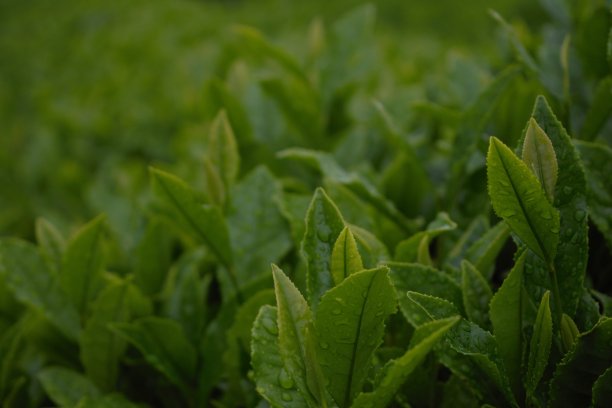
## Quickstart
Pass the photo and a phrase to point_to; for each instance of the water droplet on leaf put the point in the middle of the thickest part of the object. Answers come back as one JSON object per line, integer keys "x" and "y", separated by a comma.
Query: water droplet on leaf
{"x": 286, "y": 396}
{"x": 285, "y": 380}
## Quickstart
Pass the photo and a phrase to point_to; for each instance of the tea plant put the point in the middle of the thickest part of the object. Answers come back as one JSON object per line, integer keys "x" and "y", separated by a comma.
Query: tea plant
{"x": 339, "y": 232}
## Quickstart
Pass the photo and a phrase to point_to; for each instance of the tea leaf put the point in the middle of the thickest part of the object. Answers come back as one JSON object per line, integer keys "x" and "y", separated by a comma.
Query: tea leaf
{"x": 345, "y": 258}
{"x": 323, "y": 226}
{"x": 66, "y": 387}
{"x": 483, "y": 253}
{"x": 506, "y": 313}
{"x": 164, "y": 345}
{"x": 350, "y": 322}
{"x": 416, "y": 248}
{"x": 83, "y": 264}
{"x": 539, "y": 156}
{"x": 205, "y": 222}
{"x": 518, "y": 198}
{"x": 602, "y": 389}
{"x": 294, "y": 320}
{"x": 397, "y": 371}
{"x": 476, "y": 294}
{"x": 539, "y": 347}
{"x": 27, "y": 275}
{"x": 274, "y": 383}
{"x": 590, "y": 357}
{"x": 153, "y": 256}
{"x": 599, "y": 112}
{"x": 223, "y": 150}
{"x": 51, "y": 242}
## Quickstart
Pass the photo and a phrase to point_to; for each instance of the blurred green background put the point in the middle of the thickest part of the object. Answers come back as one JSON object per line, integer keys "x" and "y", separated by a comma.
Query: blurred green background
{"x": 92, "y": 92}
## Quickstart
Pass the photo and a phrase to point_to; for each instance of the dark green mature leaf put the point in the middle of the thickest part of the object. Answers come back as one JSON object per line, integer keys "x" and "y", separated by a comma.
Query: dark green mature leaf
{"x": 470, "y": 352}
{"x": 27, "y": 275}
{"x": 101, "y": 348}
{"x": 66, "y": 387}
{"x": 518, "y": 198}
{"x": 597, "y": 159}
{"x": 483, "y": 253}
{"x": 539, "y": 156}
{"x": 271, "y": 377}
{"x": 423, "y": 308}
{"x": 396, "y": 372}
{"x": 345, "y": 259}
{"x": 570, "y": 200}
{"x": 602, "y": 390}
{"x": 350, "y": 322}
{"x": 83, "y": 264}
{"x": 294, "y": 327}
{"x": 258, "y": 231}
{"x": 324, "y": 224}
{"x": 506, "y": 314}
{"x": 204, "y": 222}
{"x": 422, "y": 279}
{"x": 539, "y": 347}
{"x": 590, "y": 357}
{"x": 51, "y": 242}
{"x": 164, "y": 345}
{"x": 476, "y": 294}
{"x": 153, "y": 257}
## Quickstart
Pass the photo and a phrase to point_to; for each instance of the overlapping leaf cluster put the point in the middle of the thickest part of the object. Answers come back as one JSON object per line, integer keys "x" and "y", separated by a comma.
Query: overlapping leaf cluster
{"x": 342, "y": 233}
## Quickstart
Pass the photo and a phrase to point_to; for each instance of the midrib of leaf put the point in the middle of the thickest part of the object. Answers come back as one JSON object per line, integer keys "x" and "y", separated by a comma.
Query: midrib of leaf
{"x": 540, "y": 169}
{"x": 521, "y": 204}
{"x": 347, "y": 392}
{"x": 195, "y": 226}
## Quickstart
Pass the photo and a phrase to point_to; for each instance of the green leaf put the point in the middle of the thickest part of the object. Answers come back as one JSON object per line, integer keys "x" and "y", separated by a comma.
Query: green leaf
{"x": 397, "y": 371}
{"x": 518, "y": 198}
{"x": 539, "y": 347}
{"x": 27, "y": 275}
{"x": 590, "y": 357}
{"x": 506, "y": 314}
{"x": 324, "y": 224}
{"x": 416, "y": 248}
{"x": 345, "y": 259}
{"x": 484, "y": 251}
{"x": 476, "y": 294}
{"x": 539, "y": 156}
{"x": 597, "y": 159}
{"x": 51, "y": 242}
{"x": 259, "y": 233}
{"x": 101, "y": 348}
{"x": 423, "y": 308}
{"x": 153, "y": 257}
{"x": 204, "y": 222}
{"x": 602, "y": 389}
{"x": 223, "y": 150}
{"x": 83, "y": 265}
{"x": 570, "y": 199}
{"x": 106, "y": 401}
{"x": 422, "y": 279}
{"x": 271, "y": 378}
{"x": 66, "y": 387}
{"x": 294, "y": 326}
{"x": 350, "y": 322}
{"x": 164, "y": 345}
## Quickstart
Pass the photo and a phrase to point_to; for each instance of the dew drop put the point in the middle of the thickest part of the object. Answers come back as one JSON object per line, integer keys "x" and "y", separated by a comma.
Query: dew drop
{"x": 285, "y": 380}
{"x": 286, "y": 396}
{"x": 323, "y": 233}
{"x": 336, "y": 312}
{"x": 379, "y": 313}
{"x": 546, "y": 215}
{"x": 324, "y": 345}
{"x": 579, "y": 215}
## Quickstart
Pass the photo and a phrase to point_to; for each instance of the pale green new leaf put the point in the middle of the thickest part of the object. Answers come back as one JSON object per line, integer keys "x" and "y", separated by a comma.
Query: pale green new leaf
{"x": 205, "y": 222}
{"x": 66, "y": 387}
{"x": 539, "y": 155}
{"x": 397, "y": 371}
{"x": 294, "y": 323}
{"x": 272, "y": 380}
{"x": 51, "y": 242}
{"x": 539, "y": 347}
{"x": 506, "y": 314}
{"x": 83, "y": 263}
{"x": 164, "y": 345}
{"x": 223, "y": 150}
{"x": 350, "y": 322}
{"x": 28, "y": 277}
{"x": 476, "y": 294}
{"x": 588, "y": 359}
{"x": 518, "y": 198}
{"x": 345, "y": 258}
{"x": 324, "y": 224}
